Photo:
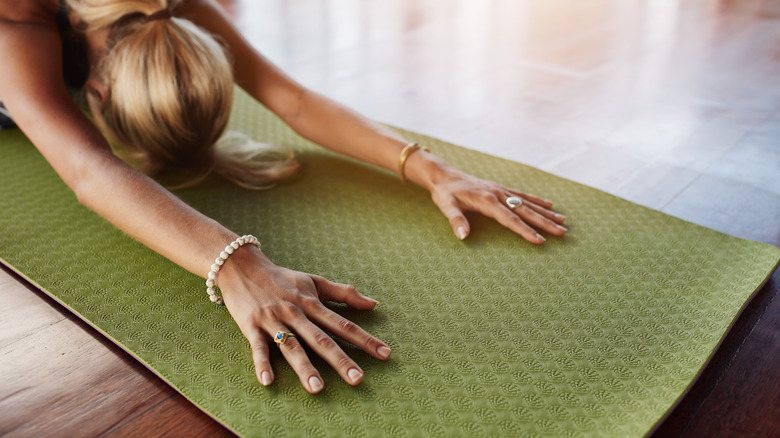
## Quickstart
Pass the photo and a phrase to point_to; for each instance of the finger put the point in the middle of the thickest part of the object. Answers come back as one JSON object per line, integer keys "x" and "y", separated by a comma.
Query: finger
{"x": 458, "y": 222}
{"x": 331, "y": 352}
{"x": 553, "y": 216}
{"x": 296, "y": 356}
{"x": 342, "y": 293}
{"x": 509, "y": 219}
{"x": 260, "y": 353}
{"x": 536, "y": 219}
{"x": 351, "y": 332}
{"x": 344, "y": 328}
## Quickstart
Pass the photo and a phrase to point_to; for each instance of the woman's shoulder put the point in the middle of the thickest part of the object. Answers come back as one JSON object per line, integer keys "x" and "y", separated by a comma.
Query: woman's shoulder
{"x": 30, "y": 11}
{"x": 28, "y": 35}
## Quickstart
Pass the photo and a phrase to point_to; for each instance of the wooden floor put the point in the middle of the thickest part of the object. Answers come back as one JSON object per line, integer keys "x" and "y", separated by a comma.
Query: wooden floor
{"x": 673, "y": 104}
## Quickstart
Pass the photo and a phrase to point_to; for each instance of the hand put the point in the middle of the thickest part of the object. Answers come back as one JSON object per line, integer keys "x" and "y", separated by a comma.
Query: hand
{"x": 264, "y": 299}
{"x": 455, "y": 192}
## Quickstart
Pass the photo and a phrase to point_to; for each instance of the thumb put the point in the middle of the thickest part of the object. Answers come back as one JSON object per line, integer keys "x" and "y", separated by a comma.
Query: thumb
{"x": 342, "y": 293}
{"x": 458, "y": 222}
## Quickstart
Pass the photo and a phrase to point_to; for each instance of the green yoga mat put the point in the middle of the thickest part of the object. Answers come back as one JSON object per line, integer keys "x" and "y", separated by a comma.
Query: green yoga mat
{"x": 595, "y": 333}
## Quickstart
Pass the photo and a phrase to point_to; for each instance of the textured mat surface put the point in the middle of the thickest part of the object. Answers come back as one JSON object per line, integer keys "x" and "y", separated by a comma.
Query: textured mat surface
{"x": 596, "y": 333}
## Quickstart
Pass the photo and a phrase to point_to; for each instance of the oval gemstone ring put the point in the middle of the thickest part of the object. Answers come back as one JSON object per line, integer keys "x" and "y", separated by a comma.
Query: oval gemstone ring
{"x": 514, "y": 202}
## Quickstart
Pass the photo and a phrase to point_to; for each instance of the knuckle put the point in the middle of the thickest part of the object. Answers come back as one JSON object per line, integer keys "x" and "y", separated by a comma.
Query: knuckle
{"x": 370, "y": 343}
{"x": 314, "y": 278}
{"x": 549, "y": 222}
{"x": 288, "y": 309}
{"x": 522, "y": 225}
{"x": 516, "y": 222}
{"x": 265, "y": 313}
{"x": 366, "y": 341}
{"x": 457, "y": 219}
{"x": 258, "y": 347}
{"x": 350, "y": 289}
{"x": 487, "y": 196}
{"x": 293, "y": 346}
{"x": 323, "y": 340}
{"x": 344, "y": 362}
{"x": 347, "y": 326}
{"x": 444, "y": 200}
{"x": 309, "y": 371}
{"x": 259, "y": 354}
{"x": 311, "y": 305}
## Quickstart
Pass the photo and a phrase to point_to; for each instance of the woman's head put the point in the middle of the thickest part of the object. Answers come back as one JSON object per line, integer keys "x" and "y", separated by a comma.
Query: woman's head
{"x": 162, "y": 88}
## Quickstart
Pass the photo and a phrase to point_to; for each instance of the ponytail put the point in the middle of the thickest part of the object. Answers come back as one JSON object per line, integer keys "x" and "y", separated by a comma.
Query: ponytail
{"x": 250, "y": 164}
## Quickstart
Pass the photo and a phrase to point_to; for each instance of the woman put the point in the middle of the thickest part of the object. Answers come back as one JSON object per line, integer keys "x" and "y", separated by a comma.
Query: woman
{"x": 159, "y": 85}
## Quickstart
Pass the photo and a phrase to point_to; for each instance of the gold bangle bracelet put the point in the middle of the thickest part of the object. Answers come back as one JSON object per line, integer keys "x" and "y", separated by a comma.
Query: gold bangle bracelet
{"x": 405, "y": 152}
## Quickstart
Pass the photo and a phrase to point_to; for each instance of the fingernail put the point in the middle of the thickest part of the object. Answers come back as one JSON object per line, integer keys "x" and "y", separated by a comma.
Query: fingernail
{"x": 354, "y": 375}
{"x": 539, "y": 236}
{"x": 372, "y": 300}
{"x": 265, "y": 378}
{"x": 461, "y": 232}
{"x": 383, "y": 352}
{"x": 315, "y": 384}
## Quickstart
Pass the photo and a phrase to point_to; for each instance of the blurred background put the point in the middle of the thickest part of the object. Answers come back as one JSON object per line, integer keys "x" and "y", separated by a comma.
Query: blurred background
{"x": 669, "y": 103}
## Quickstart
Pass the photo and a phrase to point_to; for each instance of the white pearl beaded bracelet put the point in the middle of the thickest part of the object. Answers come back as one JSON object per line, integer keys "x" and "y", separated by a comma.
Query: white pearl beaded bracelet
{"x": 212, "y": 277}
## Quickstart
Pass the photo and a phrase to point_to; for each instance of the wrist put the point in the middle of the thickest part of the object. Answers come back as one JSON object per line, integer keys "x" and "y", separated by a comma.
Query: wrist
{"x": 229, "y": 272}
{"x": 426, "y": 169}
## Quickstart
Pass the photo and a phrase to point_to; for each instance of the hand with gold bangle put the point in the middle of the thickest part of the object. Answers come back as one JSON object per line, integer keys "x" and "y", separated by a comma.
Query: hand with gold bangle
{"x": 456, "y": 192}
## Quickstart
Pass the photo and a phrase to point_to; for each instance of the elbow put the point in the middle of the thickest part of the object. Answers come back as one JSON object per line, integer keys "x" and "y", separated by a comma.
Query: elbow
{"x": 84, "y": 180}
{"x": 83, "y": 196}
{"x": 98, "y": 183}
{"x": 82, "y": 188}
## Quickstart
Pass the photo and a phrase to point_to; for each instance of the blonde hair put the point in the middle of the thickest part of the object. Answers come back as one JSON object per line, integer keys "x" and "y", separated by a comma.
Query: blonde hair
{"x": 169, "y": 92}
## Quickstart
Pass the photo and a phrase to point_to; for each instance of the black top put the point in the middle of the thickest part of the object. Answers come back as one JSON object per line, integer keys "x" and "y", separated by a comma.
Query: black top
{"x": 75, "y": 66}
{"x": 5, "y": 118}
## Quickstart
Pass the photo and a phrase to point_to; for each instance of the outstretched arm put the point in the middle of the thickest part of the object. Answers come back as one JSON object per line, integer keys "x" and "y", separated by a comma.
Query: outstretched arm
{"x": 262, "y": 297}
{"x": 337, "y": 128}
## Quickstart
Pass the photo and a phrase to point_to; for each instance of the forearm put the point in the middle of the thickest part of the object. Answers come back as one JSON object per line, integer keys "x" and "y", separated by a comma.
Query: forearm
{"x": 143, "y": 209}
{"x": 340, "y": 129}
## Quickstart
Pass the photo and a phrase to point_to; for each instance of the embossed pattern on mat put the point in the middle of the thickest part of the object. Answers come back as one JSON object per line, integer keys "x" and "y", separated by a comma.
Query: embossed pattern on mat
{"x": 596, "y": 333}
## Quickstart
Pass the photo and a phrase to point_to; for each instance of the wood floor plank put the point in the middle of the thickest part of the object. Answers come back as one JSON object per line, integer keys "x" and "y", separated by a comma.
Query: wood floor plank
{"x": 174, "y": 416}
{"x": 66, "y": 378}
{"x": 21, "y": 315}
{"x": 729, "y": 206}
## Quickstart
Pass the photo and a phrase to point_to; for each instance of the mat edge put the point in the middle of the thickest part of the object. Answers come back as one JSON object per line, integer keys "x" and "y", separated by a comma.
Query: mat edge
{"x": 707, "y": 362}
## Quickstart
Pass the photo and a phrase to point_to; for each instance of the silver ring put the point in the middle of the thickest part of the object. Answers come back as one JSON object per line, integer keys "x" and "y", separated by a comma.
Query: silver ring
{"x": 514, "y": 202}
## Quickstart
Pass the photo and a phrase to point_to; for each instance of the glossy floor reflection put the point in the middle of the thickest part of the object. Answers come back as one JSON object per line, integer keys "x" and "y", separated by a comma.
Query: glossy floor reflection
{"x": 652, "y": 93}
